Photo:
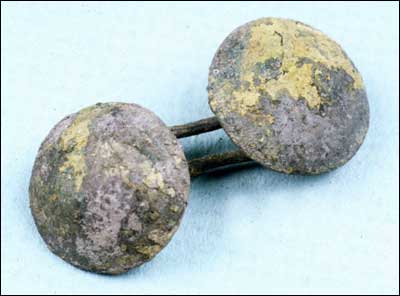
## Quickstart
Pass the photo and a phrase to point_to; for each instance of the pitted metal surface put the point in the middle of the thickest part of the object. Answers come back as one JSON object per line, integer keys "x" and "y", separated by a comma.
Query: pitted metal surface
{"x": 109, "y": 187}
{"x": 288, "y": 96}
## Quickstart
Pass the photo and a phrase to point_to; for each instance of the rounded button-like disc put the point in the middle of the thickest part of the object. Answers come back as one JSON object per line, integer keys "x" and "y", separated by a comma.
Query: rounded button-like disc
{"x": 288, "y": 96}
{"x": 109, "y": 187}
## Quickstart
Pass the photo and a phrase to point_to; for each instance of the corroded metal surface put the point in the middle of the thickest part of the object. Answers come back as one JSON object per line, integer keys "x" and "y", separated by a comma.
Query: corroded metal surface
{"x": 109, "y": 187}
{"x": 196, "y": 127}
{"x": 288, "y": 96}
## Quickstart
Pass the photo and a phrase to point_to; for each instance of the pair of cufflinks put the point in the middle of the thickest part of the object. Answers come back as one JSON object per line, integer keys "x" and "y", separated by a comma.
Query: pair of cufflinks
{"x": 111, "y": 182}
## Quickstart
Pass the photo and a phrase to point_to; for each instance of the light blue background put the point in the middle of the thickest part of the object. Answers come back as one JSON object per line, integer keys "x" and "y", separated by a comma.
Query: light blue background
{"x": 246, "y": 231}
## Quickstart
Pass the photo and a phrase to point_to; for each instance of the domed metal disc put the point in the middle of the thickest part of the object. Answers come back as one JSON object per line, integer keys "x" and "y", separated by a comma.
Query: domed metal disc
{"x": 288, "y": 96}
{"x": 109, "y": 187}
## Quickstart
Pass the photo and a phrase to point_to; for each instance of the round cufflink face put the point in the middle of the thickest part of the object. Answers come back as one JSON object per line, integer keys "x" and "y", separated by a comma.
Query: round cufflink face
{"x": 109, "y": 187}
{"x": 288, "y": 96}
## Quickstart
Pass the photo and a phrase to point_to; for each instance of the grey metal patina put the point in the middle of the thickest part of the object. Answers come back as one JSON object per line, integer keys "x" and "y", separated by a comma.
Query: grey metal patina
{"x": 109, "y": 187}
{"x": 288, "y": 96}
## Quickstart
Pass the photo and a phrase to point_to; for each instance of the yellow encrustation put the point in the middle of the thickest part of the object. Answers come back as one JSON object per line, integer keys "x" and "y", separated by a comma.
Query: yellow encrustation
{"x": 289, "y": 41}
{"x": 74, "y": 140}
